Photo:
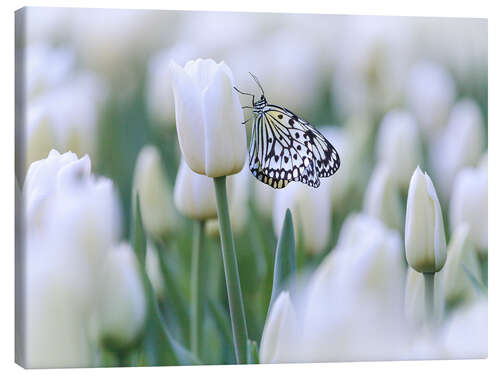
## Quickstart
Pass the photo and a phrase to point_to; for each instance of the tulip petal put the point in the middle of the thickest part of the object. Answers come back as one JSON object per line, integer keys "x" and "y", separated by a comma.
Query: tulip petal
{"x": 189, "y": 118}
{"x": 225, "y": 136}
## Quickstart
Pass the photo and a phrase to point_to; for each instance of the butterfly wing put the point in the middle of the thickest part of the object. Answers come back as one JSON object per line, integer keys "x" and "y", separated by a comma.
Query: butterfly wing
{"x": 286, "y": 148}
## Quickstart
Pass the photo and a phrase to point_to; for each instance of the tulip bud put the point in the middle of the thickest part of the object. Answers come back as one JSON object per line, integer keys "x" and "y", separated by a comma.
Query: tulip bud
{"x": 194, "y": 194}
{"x": 208, "y": 115}
{"x": 430, "y": 95}
{"x": 154, "y": 270}
{"x": 155, "y": 194}
{"x": 425, "y": 240}
{"x": 280, "y": 329}
{"x": 469, "y": 204}
{"x": 460, "y": 144}
{"x": 382, "y": 199}
{"x": 310, "y": 211}
{"x": 398, "y": 146}
{"x": 456, "y": 282}
{"x": 122, "y": 307}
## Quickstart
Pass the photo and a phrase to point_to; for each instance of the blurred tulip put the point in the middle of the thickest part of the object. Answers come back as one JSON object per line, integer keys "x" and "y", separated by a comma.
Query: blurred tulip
{"x": 382, "y": 199}
{"x": 153, "y": 269}
{"x": 71, "y": 110}
{"x": 194, "y": 194}
{"x": 281, "y": 327}
{"x": 457, "y": 285}
{"x": 398, "y": 146}
{"x": 466, "y": 333}
{"x": 122, "y": 303}
{"x": 264, "y": 198}
{"x": 45, "y": 177}
{"x": 311, "y": 214}
{"x": 208, "y": 117}
{"x": 155, "y": 194}
{"x": 469, "y": 204}
{"x": 430, "y": 93}
{"x": 160, "y": 96}
{"x": 425, "y": 240}
{"x": 460, "y": 144}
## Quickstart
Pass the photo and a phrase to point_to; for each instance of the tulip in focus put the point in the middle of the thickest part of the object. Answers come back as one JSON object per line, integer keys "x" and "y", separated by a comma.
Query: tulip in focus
{"x": 208, "y": 116}
{"x": 155, "y": 193}
{"x": 425, "y": 240}
{"x": 280, "y": 330}
{"x": 382, "y": 199}
{"x": 398, "y": 146}
{"x": 469, "y": 204}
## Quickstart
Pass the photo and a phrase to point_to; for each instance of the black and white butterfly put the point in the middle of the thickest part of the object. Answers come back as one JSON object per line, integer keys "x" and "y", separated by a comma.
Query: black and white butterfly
{"x": 286, "y": 148}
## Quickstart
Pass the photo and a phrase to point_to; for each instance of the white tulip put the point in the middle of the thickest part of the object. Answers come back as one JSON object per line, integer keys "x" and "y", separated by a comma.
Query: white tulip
{"x": 122, "y": 303}
{"x": 160, "y": 96}
{"x": 425, "y": 240}
{"x": 430, "y": 93}
{"x": 280, "y": 329}
{"x": 382, "y": 199}
{"x": 311, "y": 214}
{"x": 460, "y": 144}
{"x": 154, "y": 271}
{"x": 194, "y": 194}
{"x": 469, "y": 204}
{"x": 398, "y": 146}
{"x": 466, "y": 333}
{"x": 264, "y": 198}
{"x": 208, "y": 116}
{"x": 155, "y": 193}
{"x": 457, "y": 285}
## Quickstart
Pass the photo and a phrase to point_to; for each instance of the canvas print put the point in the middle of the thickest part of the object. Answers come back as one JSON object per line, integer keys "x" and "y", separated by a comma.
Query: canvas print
{"x": 197, "y": 188}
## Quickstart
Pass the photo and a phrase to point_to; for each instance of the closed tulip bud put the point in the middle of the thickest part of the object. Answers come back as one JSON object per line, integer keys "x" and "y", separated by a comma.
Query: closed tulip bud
{"x": 425, "y": 240}
{"x": 154, "y": 270}
{"x": 194, "y": 194}
{"x": 469, "y": 204}
{"x": 456, "y": 282}
{"x": 460, "y": 144}
{"x": 122, "y": 304}
{"x": 382, "y": 199}
{"x": 208, "y": 116}
{"x": 398, "y": 146}
{"x": 310, "y": 211}
{"x": 280, "y": 330}
{"x": 155, "y": 193}
{"x": 430, "y": 95}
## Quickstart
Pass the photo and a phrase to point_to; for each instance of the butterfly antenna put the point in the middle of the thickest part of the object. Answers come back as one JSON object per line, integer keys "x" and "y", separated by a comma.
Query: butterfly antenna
{"x": 257, "y": 81}
{"x": 241, "y": 92}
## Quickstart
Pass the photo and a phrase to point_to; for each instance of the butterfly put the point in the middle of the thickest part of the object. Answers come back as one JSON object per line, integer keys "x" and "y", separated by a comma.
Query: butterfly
{"x": 286, "y": 148}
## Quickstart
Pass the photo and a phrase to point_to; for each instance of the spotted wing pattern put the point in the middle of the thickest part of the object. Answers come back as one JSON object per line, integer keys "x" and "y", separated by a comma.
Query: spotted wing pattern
{"x": 285, "y": 148}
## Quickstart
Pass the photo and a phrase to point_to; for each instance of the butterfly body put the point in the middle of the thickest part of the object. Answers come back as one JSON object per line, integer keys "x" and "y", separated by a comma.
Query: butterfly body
{"x": 286, "y": 148}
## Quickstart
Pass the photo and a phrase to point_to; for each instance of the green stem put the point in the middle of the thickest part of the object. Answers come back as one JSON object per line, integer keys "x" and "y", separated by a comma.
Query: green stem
{"x": 429, "y": 296}
{"x": 235, "y": 300}
{"x": 196, "y": 303}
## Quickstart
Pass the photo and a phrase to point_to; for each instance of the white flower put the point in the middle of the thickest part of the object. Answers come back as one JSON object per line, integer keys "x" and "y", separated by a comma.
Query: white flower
{"x": 460, "y": 144}
{"x": 430, "y": 93}
{"x": 398, "y": 146}
{"x": 194, "y": 194}
{"x": 160, "y": 96}
{"x": 154, "y": 271}
{"x": 457, "y": 285}
{"x": 311, "y": 214}
{"x": 469, "y": 204}
{"x": 155, "y": 193}
{"x": 122, "y": 303}
{"x": 264, "y": 198}
{"x": 281, "y": 327}
{"x": 382, "y": 199}
{"x": 208, "y": 116}
{"x": 425, "y": 240}
{"x": 466, "y": 334}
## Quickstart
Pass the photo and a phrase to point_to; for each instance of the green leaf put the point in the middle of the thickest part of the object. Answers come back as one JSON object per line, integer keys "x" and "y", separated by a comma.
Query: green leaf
{"x": 139, "y": 236}
{"x": 252, "y": 352}
{"x": 474, "y": 280}
{"x": 284, "y": 264}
